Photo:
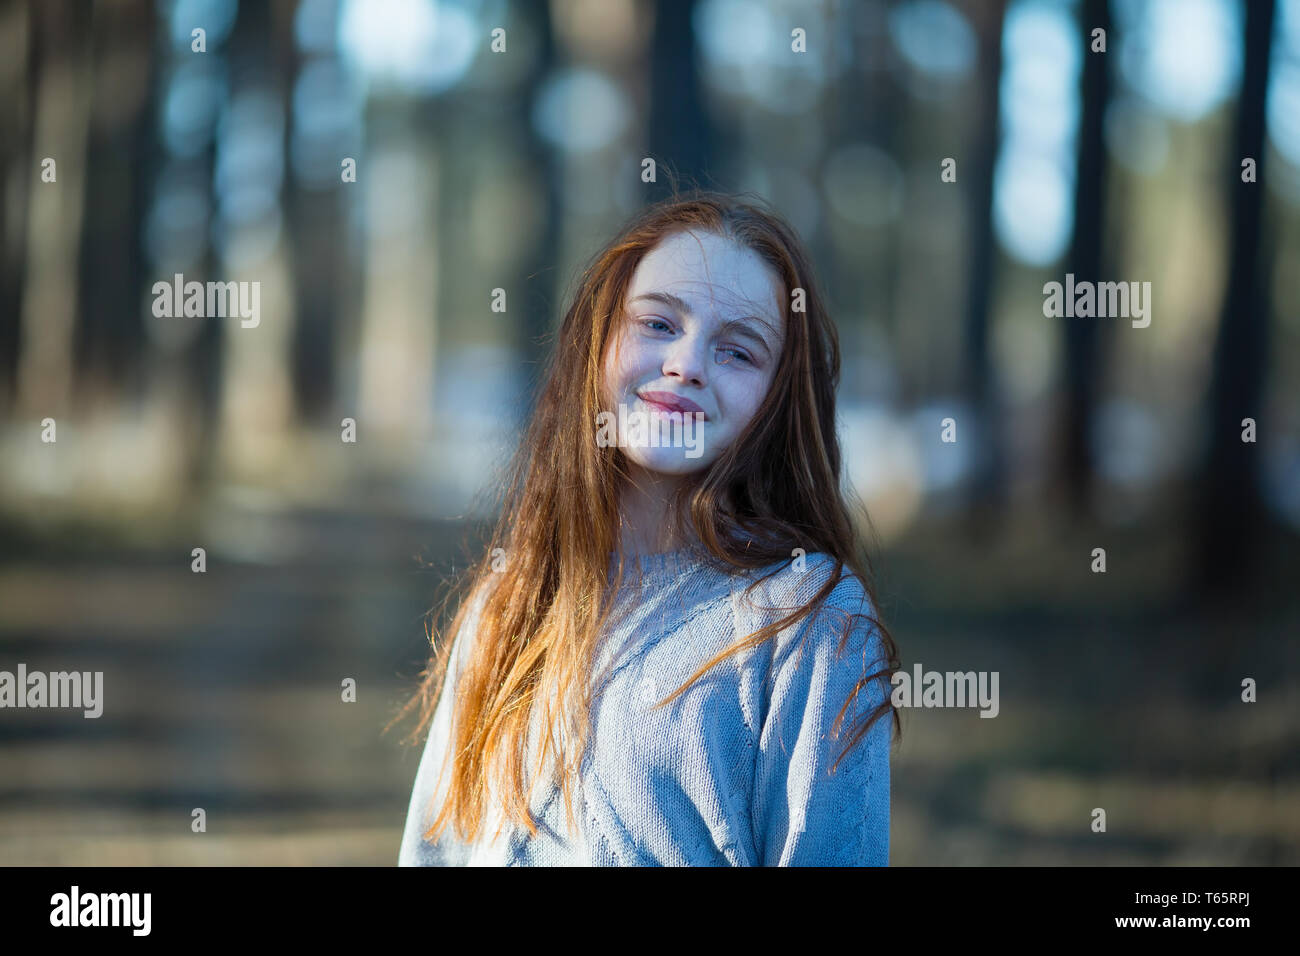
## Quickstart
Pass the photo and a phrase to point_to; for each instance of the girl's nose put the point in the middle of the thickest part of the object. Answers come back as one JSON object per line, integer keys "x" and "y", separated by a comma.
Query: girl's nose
{"x": 687, "y": 359}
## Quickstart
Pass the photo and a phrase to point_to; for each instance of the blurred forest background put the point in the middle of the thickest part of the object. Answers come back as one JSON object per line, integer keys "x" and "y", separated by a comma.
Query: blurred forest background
{"x": 479, "y": 170}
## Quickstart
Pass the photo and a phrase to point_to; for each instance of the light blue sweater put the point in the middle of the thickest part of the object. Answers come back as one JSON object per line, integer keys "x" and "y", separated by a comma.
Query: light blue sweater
{"x": 735, "y": 772}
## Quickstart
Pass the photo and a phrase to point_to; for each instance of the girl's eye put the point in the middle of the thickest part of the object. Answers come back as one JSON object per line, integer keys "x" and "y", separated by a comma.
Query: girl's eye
{"x": 650, "y": 322}
{"x": 739, "y": 355}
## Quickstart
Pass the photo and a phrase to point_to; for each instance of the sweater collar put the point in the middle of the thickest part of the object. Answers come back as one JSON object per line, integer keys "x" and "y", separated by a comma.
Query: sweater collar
{"x": 658, "y": 568}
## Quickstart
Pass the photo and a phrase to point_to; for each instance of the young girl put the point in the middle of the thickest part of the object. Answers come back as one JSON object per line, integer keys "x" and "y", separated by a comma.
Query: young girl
{"x": 669, "y": 654}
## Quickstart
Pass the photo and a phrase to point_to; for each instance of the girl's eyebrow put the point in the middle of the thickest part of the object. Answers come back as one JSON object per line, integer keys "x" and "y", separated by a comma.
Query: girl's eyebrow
{"x": 737, "y": 324}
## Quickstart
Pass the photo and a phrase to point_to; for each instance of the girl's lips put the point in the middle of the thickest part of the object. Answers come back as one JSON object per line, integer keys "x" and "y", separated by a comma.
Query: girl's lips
{"x": 668, "y": 402}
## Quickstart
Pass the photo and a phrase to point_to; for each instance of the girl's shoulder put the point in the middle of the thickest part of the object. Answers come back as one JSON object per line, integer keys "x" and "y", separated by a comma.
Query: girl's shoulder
{"x": 796, "y": 582}
{"x": 846, "y": 611}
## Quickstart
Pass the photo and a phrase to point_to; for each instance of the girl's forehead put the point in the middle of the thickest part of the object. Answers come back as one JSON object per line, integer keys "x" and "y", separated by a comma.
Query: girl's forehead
{"x": 710, "y": 272}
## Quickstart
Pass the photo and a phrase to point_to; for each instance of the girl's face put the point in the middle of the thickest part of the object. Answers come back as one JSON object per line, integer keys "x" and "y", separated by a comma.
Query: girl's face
{"x": 703, "y": 327}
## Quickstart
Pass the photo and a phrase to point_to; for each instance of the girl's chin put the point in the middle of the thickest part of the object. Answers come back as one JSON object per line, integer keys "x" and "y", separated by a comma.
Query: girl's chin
{"x": 668, "y": 466}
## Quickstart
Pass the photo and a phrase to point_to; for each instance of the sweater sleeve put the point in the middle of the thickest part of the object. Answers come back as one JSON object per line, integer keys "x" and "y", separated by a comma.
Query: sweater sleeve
{"x": 447, "y": 851}
{"x": 803, "y": 814}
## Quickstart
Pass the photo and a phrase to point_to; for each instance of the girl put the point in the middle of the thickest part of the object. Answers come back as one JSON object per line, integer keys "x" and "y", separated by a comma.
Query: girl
{"x": 672, "y": 633}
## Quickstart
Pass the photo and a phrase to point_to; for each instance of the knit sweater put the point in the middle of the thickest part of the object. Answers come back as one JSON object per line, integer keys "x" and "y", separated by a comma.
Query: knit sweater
{"x": 734, "y": 772}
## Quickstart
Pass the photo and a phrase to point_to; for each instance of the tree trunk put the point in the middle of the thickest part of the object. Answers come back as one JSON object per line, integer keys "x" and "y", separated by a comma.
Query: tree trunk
{"x": 1231, "y": 513}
